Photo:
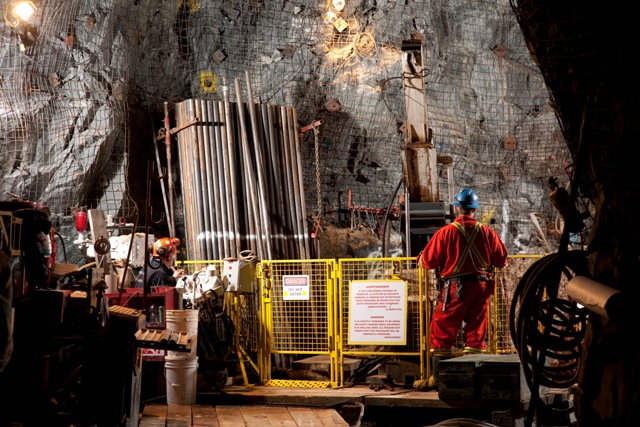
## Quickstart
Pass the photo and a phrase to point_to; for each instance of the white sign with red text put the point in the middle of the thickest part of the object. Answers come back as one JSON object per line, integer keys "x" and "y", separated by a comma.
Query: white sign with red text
{"x": 378, "y": 312}
{"x": 295, "y": 288}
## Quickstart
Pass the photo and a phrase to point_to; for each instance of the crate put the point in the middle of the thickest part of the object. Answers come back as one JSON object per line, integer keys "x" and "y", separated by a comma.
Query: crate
{"x": 458, "y": 377}
{"x": 483, "y": 376}
{"x": 502, "y": 378}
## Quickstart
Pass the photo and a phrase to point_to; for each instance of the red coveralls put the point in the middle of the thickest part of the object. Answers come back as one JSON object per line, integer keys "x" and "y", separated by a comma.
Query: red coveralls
{"x": 463, "y": 250}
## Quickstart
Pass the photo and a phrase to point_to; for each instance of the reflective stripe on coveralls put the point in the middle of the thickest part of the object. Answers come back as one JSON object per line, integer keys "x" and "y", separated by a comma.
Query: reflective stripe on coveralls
{"x": 472, "y": 247}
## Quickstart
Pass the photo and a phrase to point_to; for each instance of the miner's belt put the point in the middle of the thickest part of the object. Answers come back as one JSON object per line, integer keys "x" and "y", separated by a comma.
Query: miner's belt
{"x": 471, "y": 278}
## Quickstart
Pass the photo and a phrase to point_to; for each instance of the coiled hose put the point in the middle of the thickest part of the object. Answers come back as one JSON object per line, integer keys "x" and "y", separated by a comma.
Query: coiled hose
{"x": 546, "y": 328}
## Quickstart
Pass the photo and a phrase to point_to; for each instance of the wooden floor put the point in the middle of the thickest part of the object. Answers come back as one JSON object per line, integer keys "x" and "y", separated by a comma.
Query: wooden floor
{"x": 161, "y": 415}
{"x": 260, "y": 406}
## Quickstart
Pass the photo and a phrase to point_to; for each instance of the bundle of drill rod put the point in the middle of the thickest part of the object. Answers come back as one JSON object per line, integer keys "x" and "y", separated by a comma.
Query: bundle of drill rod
{"x": 241, "y": 179}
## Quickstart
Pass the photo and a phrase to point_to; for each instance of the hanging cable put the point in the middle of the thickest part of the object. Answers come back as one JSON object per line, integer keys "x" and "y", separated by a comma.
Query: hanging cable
{"x": 548, "y": 330}
{"x": 385, "y": 229}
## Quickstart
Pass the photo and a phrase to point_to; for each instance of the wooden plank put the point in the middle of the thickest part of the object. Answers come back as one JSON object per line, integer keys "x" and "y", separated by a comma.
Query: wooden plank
{"x": 262, "y": 416}
{"x": 304, "y": 416}
{"x": 152, "y": 422}
{"x": 204, "y": 416}
{"x": 155, "y": 410}
{"x": 154, "y": 415}
{"x": 178, "y": 415}
{"x": 229, "y": 416}
{"x": 330, "y": 417}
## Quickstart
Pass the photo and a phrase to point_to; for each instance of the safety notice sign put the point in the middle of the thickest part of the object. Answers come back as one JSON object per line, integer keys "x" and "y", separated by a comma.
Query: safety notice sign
{"x": 295, "y": 287}
{"x": 378, "y": 312}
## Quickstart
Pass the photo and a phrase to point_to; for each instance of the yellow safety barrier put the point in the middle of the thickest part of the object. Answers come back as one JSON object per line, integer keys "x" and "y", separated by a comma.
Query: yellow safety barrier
{"x": 323, "y": 307}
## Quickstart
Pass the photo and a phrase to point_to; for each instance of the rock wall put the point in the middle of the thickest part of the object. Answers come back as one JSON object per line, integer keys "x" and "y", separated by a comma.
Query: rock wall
{"x": 68, "y": 99}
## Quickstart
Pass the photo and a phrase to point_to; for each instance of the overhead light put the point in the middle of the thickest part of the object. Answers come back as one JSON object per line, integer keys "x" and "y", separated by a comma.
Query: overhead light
{"x": 18, "y": 11}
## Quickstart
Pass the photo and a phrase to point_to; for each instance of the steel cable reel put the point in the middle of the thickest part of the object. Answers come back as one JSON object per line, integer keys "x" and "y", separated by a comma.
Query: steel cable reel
{"x": 547, "y": 329}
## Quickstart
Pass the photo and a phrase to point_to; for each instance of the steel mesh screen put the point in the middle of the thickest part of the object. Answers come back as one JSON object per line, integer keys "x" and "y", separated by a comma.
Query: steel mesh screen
{"x": 301, "y": 326}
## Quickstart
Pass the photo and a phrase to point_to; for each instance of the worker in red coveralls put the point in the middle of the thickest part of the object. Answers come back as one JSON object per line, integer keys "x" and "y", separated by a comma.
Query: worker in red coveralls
{"x": 466, "y": 253}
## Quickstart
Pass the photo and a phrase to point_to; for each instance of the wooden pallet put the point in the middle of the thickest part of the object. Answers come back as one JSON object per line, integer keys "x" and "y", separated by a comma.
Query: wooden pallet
{"x": 126, "y": 311}
{"x": 164, "y": 339}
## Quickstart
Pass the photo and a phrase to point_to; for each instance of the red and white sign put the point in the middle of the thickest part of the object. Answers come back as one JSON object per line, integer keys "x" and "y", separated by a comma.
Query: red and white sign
{"x": 295, "y": 288}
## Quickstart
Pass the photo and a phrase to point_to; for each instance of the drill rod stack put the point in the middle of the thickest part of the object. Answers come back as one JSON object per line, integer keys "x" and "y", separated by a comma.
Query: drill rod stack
{"x": 241, "y": 179}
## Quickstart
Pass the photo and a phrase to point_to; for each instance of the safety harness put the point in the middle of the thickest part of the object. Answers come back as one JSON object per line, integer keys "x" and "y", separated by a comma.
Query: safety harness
{"x": 470, "y": 239}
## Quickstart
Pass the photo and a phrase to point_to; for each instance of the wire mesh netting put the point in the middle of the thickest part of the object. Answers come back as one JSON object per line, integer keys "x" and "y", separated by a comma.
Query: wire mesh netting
{"x": 83, "y": 85}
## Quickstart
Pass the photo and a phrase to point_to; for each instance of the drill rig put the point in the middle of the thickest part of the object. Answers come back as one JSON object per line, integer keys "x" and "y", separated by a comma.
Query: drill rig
{"x": 423, "y": 212}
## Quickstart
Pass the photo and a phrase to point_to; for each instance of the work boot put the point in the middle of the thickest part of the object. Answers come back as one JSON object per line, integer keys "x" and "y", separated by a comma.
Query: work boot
{"x": 473, "y": 350}
{"x": 425, "y": 385}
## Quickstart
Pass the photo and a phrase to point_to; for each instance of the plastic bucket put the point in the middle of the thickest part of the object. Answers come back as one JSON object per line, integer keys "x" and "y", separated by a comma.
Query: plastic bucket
{"x": 181, "y": 374}
{"x": 183, "y": 321}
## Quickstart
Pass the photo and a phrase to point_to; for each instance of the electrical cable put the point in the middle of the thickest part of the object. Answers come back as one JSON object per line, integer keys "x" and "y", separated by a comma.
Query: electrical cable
{"x": 64, "y": 249}
{"x": 462, "y": 422}
{"x": 385, "y": 231}
{"x": 548, "y": 330}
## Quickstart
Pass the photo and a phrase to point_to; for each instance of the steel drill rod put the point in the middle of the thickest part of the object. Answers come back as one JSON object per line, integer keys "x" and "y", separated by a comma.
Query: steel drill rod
{"x": 190, "y": 225}
{"x": 217, "y": 232}
{"x": 298, "y": 190}
{"x": 271, "y": 183}
{"x": 232, "y": 172}
{"x": 167, "y": 141}
{"x": 180, "y": 145}
{"x": 200, "y": 207}
{"x": 244, "y": 199}
{"x": 264, "y": 205}
{"x": 284, "y": 162}
{"x": 202, "y": 173}
{"x": 279, "y": 188}
{"x": 289, "y": 181}
{"x": 303, "y": 209}
{"x": 221, "y": 190}
{"x": 220, "y": 213}
{"x": 187, "y": 139}
{"x": 227, "y": 194}
{"x": 249, "y": 178}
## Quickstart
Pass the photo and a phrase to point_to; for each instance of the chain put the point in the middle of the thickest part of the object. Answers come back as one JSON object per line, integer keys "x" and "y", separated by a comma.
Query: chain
{"x": 316, "y": 131}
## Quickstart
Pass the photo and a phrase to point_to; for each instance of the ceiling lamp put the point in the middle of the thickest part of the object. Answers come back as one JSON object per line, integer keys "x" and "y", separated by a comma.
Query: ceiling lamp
{"x": 18, "y": 11}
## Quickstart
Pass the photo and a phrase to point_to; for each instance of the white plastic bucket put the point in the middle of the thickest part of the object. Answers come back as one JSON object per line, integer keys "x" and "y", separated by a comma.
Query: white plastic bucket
{"x": 181, "y": 374}
{"x": 183, "y": 321}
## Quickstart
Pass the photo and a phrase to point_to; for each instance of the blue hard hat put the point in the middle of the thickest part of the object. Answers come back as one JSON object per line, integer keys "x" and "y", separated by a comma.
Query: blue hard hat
{"x": 467, "y": 198}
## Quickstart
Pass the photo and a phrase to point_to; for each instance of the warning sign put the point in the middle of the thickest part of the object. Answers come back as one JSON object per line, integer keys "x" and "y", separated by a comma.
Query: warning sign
{"x": 295, "y": 287}
{"x": 378, "y": 312}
